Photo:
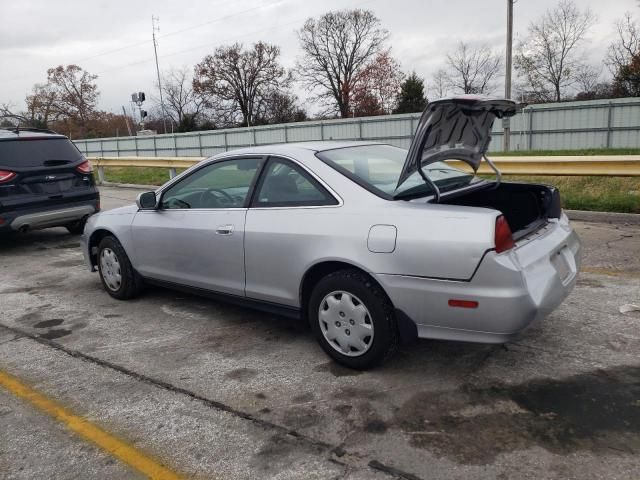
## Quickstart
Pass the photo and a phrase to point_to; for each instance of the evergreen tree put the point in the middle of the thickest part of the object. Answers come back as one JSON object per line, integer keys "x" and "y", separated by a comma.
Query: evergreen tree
{"x": 411, "y": 97}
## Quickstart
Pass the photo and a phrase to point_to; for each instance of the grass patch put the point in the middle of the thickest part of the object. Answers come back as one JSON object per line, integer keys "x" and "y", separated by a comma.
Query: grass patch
{"x": 138, "y": 175}
{"x": 601, "y": 194}
{"x": 550, "y": 153}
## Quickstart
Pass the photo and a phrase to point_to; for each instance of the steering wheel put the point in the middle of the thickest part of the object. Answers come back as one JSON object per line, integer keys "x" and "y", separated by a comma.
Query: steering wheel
{"x": 221, "y": 197}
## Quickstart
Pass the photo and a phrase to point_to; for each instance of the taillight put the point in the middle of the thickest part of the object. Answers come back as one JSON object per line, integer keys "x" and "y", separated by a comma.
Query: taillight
{"x": 6, "y": 175}
{"x": 504, "y": 238}
{"x": 85, "y": 167}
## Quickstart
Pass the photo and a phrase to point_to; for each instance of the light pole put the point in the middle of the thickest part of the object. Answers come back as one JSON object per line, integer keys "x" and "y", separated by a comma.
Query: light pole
{"x": 506, "y": 124}
{"x": 154, "y": 24}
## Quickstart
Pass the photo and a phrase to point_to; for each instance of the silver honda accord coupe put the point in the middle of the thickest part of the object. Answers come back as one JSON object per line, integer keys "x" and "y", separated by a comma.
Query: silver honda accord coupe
{"x": 371, "y": 244}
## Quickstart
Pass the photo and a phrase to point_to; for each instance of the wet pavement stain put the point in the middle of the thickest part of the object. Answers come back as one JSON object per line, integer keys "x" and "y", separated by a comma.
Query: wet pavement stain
{"x": 67, "y": 263}
{"x": 337, "y": 370}
{"x": 241, "y": 374}
{"x": 597, "y": 411}
{"x": 54, "y": 322}
{"x": 56, "y": 333}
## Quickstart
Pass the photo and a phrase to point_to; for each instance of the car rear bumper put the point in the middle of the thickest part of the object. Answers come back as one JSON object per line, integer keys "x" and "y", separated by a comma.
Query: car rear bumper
{"x": 44, "y": 218}
{"x": 513, "y": 289}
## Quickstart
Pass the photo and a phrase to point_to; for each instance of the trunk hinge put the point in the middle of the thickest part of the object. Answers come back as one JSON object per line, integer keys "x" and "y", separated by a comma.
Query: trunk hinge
{"x": 436, "y": 190}
{"x": 495, "y": 169}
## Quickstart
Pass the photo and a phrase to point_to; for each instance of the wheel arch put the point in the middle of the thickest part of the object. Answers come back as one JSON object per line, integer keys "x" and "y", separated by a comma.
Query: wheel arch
{"x": 406, "y": 326}
{"x": 93, "y": 242}
{"x": 323, "y": 268}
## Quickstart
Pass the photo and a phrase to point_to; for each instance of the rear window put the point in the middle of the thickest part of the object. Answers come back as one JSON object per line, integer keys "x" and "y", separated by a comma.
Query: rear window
{"x": 37, "y": 152}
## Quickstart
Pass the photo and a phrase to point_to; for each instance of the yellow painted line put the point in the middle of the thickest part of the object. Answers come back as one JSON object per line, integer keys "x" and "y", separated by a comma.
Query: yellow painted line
{"x": 87, "y": 430}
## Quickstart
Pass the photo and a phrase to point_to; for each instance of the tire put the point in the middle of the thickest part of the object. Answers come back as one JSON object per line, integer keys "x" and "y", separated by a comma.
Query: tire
{"x": 353, "y": 290}
{"x": 119, "y": 278}
{"x": 76, "y": 228}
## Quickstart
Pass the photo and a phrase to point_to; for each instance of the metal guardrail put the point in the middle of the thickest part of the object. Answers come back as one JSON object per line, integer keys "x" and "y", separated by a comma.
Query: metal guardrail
{"x": 595, "y": 165}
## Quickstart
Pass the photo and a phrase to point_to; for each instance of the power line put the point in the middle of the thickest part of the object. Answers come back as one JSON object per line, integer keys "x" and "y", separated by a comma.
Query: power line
{"x": 209, "y": 44}
{"x": 143, "y": 42}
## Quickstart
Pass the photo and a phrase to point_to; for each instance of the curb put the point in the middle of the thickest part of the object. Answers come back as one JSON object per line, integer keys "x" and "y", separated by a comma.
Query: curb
{"x": 604, "y": 217}
{"x": 578, "y": 215}
{"x": 134, "y": 186}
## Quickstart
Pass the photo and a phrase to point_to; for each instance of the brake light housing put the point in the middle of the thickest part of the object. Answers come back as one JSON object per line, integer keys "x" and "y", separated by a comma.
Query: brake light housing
{"x": 503, "y": 236}
{"x": 6, "y": 176}
{"x": 85, "y": 167}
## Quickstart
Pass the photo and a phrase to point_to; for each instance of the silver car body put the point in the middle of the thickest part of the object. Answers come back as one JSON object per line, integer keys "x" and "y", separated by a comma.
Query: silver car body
{"x": 422, "y": 254}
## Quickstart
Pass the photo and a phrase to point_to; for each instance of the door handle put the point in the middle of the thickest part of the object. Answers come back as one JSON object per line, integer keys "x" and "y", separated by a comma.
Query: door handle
{"x": 224, "y": 230}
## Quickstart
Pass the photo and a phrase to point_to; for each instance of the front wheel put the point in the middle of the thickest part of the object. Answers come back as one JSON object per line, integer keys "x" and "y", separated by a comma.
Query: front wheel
{"x": 353, "y": 319}
{"x": 118, "y": 277}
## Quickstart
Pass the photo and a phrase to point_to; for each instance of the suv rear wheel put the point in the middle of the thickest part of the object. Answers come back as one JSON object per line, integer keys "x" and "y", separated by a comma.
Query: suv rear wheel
{"x": 353, "y": 319}
{"x": 118, "y": 277}
{"x": 76, "y": 228}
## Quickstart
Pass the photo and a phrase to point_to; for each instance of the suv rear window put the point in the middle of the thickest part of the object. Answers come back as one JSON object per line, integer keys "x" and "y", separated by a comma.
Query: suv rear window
{"x": 35, "y": 152}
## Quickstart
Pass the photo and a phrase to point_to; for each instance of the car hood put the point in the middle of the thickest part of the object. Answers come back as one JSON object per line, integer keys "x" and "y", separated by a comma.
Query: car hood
{"x": 455, "y": 128}
{"x": 127, "y": 209}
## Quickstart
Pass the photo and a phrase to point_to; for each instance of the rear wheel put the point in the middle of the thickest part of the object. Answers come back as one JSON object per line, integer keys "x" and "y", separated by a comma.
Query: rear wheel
{"x": 353, "y": 319}
{"x": 76, "y": 228}
{"x": 118, "y": 277}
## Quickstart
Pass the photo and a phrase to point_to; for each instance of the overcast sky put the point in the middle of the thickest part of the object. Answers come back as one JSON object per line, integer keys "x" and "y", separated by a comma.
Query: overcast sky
{"x": 113, "y": 38}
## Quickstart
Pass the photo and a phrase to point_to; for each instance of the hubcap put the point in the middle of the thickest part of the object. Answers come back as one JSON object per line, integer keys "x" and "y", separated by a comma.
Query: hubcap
{"x": 346, "y": 323}
{"x": 110, "y": 269}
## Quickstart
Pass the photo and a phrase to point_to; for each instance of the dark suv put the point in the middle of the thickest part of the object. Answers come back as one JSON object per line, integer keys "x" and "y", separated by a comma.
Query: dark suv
{"x": 45, "y": 181}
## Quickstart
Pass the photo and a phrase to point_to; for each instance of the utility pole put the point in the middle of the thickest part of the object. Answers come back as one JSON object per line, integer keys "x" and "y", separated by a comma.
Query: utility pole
{"x": 126, "y": 119}
{"x": 154, "y": 24}
{"x": 506, "y": 122}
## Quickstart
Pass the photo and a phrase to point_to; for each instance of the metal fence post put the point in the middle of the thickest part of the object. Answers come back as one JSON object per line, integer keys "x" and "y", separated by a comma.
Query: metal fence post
{"x": 286, "y": 134}
{"x": 253, "y": 134}
{"x": 101, "y": 148}
{"x": 321, "y": 130}
{"x": 530, "y": 140}
{"x": 155, "y": 147}
{"x": 135, "y": 142}
{"x": 172, "y": 172}
{"x": 200, "y": 144}
{"x": 100, "y": 174}
{"x": 175, "y": 148}
{"x": 609, "y": 123}
{"x": 359, "y": 129}
{"x": 226, "y": 145}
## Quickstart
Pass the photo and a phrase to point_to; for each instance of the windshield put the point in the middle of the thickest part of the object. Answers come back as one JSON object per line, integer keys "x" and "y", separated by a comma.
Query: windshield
{"x": 378, "y": 167}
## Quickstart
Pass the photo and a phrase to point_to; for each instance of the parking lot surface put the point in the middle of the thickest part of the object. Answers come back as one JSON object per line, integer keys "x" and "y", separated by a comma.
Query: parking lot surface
{"x": 210, "y": 390}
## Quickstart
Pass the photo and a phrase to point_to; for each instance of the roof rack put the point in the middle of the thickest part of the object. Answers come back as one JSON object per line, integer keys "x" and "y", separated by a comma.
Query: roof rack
{"x": 28, "y": 129}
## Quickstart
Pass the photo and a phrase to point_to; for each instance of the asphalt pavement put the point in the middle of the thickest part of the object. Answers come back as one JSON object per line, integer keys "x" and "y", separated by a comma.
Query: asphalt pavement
{"x": 203, "y": 389}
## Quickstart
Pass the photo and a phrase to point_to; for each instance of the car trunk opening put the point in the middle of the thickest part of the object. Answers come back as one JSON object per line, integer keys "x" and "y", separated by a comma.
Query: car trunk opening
{"x": 526, "y": 207}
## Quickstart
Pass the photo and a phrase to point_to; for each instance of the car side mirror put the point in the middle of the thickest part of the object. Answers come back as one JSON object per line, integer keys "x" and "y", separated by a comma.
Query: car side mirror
{"x": 147, "y": 201}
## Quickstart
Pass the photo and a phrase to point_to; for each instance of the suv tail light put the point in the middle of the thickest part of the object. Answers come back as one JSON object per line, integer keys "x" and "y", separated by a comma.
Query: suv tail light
{"x": 6, "y": 175}
{"x": 503, "y": 236}
{"x": 85, "y": 167}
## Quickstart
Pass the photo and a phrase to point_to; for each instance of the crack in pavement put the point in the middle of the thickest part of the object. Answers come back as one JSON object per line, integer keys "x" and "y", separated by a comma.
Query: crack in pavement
{"x": 331, "y": 449}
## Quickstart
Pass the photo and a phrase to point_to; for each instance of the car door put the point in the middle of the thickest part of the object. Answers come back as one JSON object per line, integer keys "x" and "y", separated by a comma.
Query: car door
{"x": 196, "y": 235}
{"x": 288, "y": 221}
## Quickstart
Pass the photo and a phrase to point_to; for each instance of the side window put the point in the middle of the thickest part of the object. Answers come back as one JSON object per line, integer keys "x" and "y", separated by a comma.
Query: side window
{"x": 287, "y": 185}
{"x": 223, "y": 184}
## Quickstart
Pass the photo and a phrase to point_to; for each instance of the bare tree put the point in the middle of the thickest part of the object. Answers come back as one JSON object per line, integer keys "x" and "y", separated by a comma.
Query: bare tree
{"x": 182, "y": 103}
{"x": 75, "y": 91}
{"x": 238, "y": 82}
{"x": 337, "y": 48}
{"x": 472, "y": 69}
{"x": 626, "y": 45}
{"x": 549, "y": 58}
{"x": 439, "y": 87}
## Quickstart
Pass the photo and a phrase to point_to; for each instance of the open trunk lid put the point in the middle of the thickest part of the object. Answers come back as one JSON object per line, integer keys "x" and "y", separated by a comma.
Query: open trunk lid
{"x": 457, "y": 128}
